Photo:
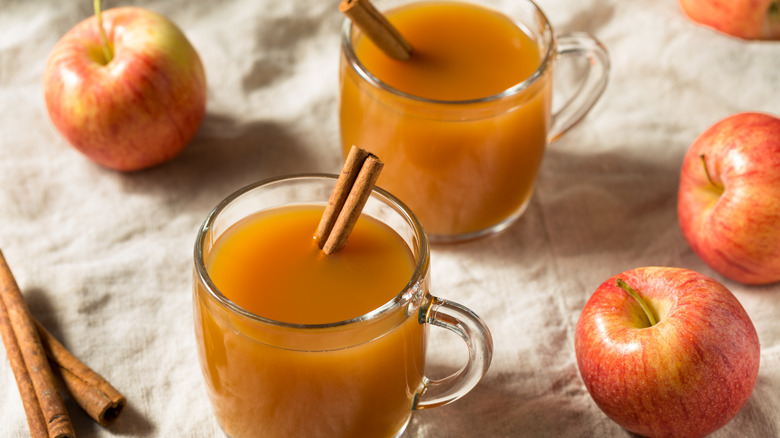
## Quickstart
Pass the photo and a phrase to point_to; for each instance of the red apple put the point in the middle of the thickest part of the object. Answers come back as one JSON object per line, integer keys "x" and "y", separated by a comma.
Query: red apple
{"x": 747, "y": 19}
{"x": 728, "y": 203}
{"x": 136, "y": 106}
{"x": 685, "y": 374}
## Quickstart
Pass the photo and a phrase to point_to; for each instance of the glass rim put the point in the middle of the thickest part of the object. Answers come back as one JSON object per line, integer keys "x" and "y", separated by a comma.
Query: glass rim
{"x": 355, "y": 63}
{"x": 418, "y": 275}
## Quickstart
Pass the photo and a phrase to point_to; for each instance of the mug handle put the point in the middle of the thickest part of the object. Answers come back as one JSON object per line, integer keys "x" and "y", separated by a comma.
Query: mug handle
{"x": 580, "y": 45}
{"x": 471, "y": 328}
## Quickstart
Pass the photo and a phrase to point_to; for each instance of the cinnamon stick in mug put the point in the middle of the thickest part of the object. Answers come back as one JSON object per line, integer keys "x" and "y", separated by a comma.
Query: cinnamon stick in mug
{"x": 353, "y": 187}
{"x": 377, "y": 28}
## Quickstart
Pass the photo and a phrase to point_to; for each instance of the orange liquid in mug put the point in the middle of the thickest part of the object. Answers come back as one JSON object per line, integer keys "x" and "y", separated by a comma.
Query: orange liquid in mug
{"x": 475, "y": 167}
{"x": 364, "y": 382}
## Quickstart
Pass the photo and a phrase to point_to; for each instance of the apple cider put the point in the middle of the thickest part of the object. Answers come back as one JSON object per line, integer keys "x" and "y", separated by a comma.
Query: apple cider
{"x": 461, "y": 154}
{"x": 332, "y": 381}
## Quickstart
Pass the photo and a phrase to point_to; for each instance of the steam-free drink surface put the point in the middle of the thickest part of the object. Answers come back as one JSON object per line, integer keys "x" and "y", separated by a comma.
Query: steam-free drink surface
{"x": 353, "y": 380}
{"x": 461, "y": 51}
{"x": 270, "y": 265}
{"x": 460, "y": 168}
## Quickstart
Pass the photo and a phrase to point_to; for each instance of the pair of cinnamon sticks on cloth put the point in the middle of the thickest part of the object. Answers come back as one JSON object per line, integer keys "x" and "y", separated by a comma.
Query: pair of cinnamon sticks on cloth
{"x": 36, "y": 357}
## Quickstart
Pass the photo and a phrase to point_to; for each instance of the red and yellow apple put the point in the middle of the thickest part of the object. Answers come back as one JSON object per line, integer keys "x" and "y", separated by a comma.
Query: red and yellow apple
{"x": 667, "y": 352}
{"x": 728, "y": 203}
{"x": 747, "y": 19}
{"x": 126, "y": 88}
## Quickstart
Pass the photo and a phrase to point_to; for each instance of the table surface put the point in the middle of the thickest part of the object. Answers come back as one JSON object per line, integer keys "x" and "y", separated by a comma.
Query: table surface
{"x": 104, "y": 258}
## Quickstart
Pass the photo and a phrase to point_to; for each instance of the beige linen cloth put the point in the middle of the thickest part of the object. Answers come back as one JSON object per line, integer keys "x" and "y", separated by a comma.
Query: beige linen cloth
{"x": 104, "y": 258}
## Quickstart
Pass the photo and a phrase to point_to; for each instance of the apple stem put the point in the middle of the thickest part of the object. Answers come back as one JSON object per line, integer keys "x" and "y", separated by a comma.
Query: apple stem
{"x": 635, "y": 295}
{"x": 707, "y": 173}
{"x": 106, "y": 49}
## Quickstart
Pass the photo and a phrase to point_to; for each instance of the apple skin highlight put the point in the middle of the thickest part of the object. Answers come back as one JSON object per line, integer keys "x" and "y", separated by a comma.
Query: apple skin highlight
{"x": 686, "y": 376}
{"x": 139, "y": 109}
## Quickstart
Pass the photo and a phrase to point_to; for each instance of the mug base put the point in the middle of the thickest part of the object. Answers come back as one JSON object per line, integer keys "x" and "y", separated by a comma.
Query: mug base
{"x": 396, "y": 435}
{"x": 446, "y": 239}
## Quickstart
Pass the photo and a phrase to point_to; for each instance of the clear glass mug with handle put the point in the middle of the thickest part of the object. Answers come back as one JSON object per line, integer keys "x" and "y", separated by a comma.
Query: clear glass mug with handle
{"x": 359, "y": 377}
{"x": 467, "y": 168}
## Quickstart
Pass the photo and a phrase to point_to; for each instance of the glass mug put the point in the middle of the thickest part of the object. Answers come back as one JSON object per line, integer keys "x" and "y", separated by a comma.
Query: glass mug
{"x": 467, "y": 168}
{"x": 359, "y": 377}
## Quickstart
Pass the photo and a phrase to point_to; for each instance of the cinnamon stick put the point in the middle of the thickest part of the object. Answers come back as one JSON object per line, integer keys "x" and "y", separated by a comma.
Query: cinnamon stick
{"x": 353, "y": 187}
{"x": 49, "y": 400}
{"x": 92, "y": 392}
{"x": 32, "y": 409}
{"x": 377, "y": 28}
{"x": 347, "y": 178}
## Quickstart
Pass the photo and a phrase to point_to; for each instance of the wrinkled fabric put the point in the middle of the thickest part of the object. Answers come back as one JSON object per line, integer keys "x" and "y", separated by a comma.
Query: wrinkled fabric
{"x": 105, "y": 258}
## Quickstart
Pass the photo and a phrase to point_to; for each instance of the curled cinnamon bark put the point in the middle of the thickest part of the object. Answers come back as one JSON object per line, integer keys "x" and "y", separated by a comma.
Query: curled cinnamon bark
{"x": 24, "y": 337}
{"x": 92, "y": 392}
{"x": 353, "y": 187}
{"x": 49, "y": 400}
{"x": 377, "y": 28}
